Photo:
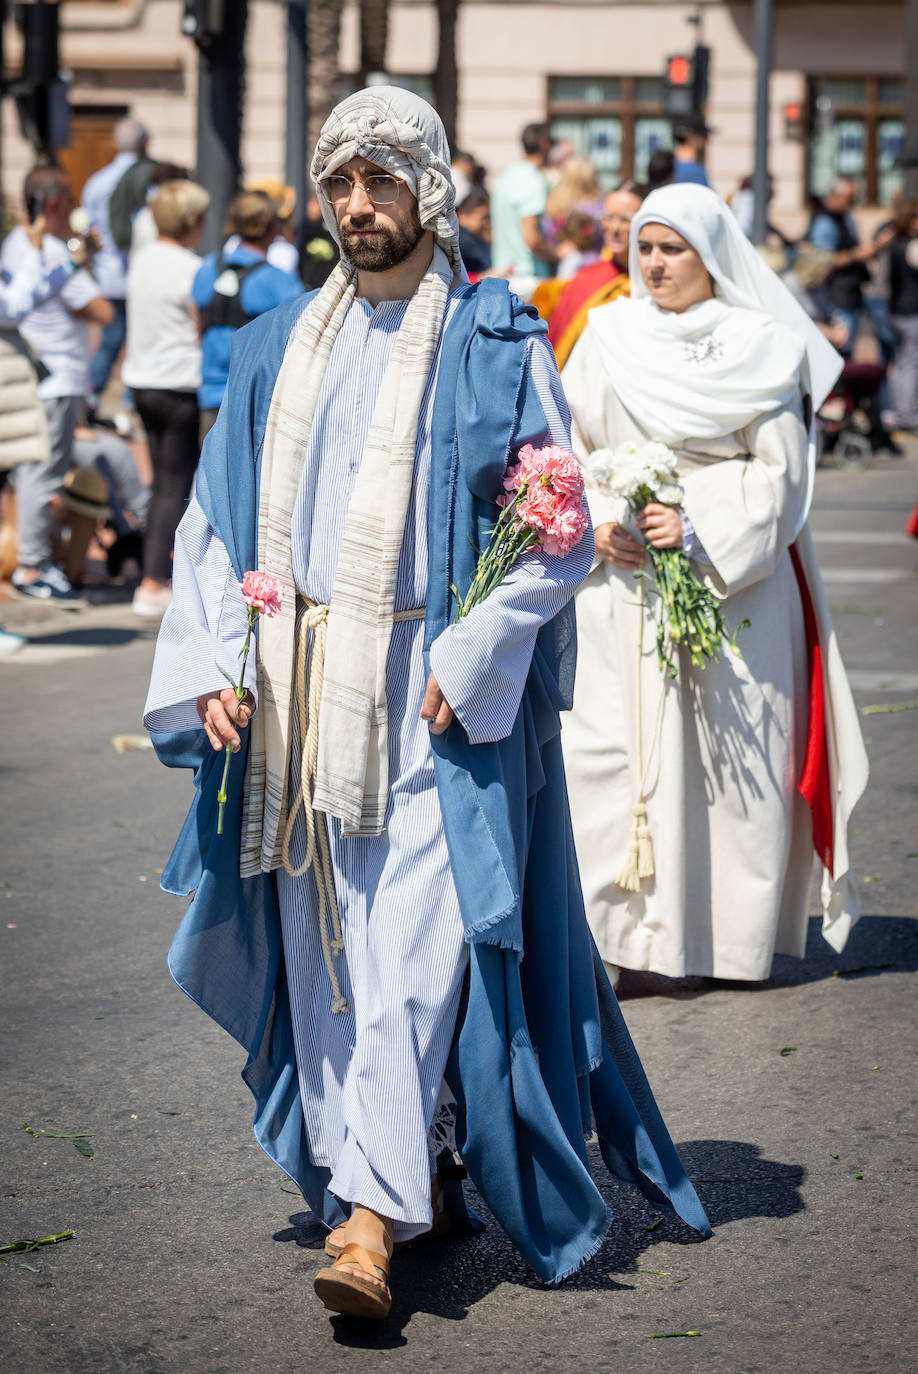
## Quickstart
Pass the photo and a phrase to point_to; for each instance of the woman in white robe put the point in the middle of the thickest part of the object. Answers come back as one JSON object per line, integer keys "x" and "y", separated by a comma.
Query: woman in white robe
{"x": 713, "y": 358}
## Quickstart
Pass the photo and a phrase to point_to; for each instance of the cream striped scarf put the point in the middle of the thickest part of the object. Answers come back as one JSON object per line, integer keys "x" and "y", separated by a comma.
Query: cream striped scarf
{"x": 353, "y": 781}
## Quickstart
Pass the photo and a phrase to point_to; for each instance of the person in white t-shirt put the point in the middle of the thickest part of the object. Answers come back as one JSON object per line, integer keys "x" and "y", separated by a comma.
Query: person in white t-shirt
{"x": 162, "y": 366}
{"x": 58, "y": 331}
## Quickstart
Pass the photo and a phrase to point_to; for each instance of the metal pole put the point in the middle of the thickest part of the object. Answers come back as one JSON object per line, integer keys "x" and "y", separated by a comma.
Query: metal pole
{"x": 296, "y": 151}
{"x": 764, "y": 43}
{"x": 910, "y": 155}
{"x": 221, "y": 79}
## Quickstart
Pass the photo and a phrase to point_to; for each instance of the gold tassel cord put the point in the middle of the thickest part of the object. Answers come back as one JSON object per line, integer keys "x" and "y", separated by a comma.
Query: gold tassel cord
{"x": 639, "y": 862}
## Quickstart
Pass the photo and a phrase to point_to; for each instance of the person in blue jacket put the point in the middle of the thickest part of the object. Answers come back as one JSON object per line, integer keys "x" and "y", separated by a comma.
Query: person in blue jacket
{"x": 233, "y": 287}
{"x": 391, "y": 922}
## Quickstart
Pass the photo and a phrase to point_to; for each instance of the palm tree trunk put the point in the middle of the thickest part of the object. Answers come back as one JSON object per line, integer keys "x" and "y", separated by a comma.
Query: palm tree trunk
{"x": 324, "y": 41}
{"x": 374, "y": 37}
{"x": 446, "y": 77}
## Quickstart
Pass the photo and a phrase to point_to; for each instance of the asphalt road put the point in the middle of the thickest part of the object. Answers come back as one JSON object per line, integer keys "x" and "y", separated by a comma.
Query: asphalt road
{"x": 189, "y": 1253}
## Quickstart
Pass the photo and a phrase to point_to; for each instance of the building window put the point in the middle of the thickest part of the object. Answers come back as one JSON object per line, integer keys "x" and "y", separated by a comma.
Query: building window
{"x": 615, "y": 121}
{"x": 858, "y": 131}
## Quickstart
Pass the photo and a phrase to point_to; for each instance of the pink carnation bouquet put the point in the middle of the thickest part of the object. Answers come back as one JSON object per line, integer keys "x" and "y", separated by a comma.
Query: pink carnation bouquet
{"x": 542, "y": 508}
{"x": 263, "y": 595}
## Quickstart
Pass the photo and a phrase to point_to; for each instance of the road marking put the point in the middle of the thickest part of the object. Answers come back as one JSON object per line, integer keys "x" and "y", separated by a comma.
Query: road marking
{"x": 864, "y": 575}
{"x": 43, "y": 655}
{"x": 868, "y": 680}
{"x": 878, "y": 537}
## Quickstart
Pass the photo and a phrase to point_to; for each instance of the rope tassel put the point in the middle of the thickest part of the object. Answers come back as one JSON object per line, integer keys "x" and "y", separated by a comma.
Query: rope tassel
{"x": 639, "y": 857}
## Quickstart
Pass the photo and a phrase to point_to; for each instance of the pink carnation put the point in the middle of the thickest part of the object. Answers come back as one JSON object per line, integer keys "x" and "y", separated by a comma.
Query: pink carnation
{"x": 560, "y": 520}
{"x": 568, "y": 528}
{"x": 262, "y": 592}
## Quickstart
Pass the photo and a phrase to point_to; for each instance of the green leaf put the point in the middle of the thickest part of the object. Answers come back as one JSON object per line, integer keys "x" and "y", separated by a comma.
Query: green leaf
{"x": 788, "y": 1049}
{"x": 654, "y": 1224}
{"x": 889, "y": 709}
{"x": 873, "y": 877}
{"x": 19, "y": 1246}
{"x": 833, "y": 1156}
{"x": 669, "y": 1335}
{"x": 858, "y": 1174}
{"x": 229, "y": 677}
{"x": 860, "y": 968}
{"x": 82, "y": 1144}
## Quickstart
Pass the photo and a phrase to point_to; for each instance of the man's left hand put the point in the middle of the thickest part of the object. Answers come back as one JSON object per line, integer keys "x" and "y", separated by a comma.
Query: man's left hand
{"x": 436, "y": 708}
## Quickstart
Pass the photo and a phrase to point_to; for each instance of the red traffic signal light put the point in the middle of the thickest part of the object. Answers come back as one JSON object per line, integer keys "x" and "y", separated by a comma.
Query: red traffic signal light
{"x": 679, "y": 71}
{"x": 793, "y": 121}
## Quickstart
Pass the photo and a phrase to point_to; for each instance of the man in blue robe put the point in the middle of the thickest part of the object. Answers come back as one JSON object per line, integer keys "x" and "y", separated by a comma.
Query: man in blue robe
{"x": 397, "y": 836}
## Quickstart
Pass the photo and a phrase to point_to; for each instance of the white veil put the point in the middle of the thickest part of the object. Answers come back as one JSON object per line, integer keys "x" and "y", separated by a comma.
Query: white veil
{"x": 742, "y": 276}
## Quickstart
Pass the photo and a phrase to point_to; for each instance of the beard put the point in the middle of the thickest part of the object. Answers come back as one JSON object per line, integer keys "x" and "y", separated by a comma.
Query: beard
{"x": 386, "y": 249}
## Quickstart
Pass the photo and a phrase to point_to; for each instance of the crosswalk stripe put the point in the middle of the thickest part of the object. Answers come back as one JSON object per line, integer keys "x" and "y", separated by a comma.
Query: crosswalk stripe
{"x": 43, "y": 655}
{"x": 878, "y": 537}
{"x": 870, "y": 680}
{"x": 861, "y": 575}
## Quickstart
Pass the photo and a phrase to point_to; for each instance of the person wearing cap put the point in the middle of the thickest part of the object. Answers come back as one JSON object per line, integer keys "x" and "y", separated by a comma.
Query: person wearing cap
{"x": 396, "y": 826}
{"x": 232, "y": 287}
{"x": 690, "y": 139}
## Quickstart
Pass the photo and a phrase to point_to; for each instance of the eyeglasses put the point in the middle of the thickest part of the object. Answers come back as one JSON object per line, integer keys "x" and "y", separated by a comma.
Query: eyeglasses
{"x": 379, "y": 188}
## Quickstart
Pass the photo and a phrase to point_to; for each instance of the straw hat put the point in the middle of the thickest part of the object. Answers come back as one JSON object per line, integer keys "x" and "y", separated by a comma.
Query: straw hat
{"x": 85, "y": 492}
{"x": 284, "y": 197}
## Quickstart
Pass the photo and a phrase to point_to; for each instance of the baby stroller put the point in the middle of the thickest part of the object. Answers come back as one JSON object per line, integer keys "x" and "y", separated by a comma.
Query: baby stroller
{"x": 849, "y": 424}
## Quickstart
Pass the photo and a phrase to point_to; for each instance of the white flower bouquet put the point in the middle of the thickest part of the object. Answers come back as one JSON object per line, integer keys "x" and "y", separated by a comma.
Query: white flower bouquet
{"x": 689, "y": 612}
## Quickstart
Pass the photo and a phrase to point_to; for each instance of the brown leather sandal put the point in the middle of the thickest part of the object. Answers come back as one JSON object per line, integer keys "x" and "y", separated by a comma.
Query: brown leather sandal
{"x": 352, "y": 1294}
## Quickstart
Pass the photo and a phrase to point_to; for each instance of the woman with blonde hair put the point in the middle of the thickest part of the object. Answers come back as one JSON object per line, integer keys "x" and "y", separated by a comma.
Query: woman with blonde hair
{"x": 162, "y": 365}
{"x": 724, "y": 778}
{"x": 577, "y": 191}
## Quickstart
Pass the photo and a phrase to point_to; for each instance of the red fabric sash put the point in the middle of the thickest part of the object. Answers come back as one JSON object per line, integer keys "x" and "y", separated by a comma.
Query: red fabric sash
{"x": 814, "y": 777}
{"x": 912, "y": 526}
{"x": 576, "y": 293}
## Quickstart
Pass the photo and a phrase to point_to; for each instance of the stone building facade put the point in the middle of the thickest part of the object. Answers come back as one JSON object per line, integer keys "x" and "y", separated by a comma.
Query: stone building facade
{"x": 593, "y": 67}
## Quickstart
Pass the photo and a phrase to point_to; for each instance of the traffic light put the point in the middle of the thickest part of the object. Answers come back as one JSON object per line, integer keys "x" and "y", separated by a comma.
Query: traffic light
{"x": 203, "y": 20}
{"x": 40, "y": 94}
{"x": 793, "y": 121}
{"x": 679, "y": 85}
{"x": 685, "y": 84}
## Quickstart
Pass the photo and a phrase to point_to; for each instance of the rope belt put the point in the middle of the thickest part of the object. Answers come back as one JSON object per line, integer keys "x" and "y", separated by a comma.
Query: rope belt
{"x": 314, "y": 619}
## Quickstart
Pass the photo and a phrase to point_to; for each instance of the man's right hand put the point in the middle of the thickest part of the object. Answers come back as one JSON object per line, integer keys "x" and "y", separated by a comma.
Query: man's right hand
{"x": 617, "y": 545}
{"x": 218, "y": 712}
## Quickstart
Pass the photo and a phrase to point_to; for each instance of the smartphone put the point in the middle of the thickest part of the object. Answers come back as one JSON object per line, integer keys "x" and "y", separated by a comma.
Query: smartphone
{"x": 35, "y": 204}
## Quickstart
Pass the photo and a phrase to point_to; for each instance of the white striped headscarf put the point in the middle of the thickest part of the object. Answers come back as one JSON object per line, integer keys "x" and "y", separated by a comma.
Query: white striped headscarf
{"x": 400, "y": 132}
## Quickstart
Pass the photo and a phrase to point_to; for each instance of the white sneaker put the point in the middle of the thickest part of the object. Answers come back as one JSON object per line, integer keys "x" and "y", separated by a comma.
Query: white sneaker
{"x": 10, "y": 643}
{"x": 151, "y": 604}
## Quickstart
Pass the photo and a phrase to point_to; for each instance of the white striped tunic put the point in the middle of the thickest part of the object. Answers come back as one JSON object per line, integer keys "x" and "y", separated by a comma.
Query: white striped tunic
{"x": 370, "y": 1078}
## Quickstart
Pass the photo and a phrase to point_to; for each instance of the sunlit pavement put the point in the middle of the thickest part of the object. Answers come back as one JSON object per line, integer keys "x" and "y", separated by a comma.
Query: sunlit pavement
{"x": 191, "y": 1254}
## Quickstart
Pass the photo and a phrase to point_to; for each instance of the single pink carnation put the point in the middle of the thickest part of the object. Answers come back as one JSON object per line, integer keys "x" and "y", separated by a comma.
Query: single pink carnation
{"x": 568, "y": 528}
{"x": 561, "y": 472}
{"x": 537, "y": 508}
{"x": 262, "y": 592}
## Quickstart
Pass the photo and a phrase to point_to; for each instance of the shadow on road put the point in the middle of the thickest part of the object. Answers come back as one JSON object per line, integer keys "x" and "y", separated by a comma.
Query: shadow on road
{"x": 90, "y": 637}
{"x": 878, "y": 944}
{"x": 447, "y": 1278}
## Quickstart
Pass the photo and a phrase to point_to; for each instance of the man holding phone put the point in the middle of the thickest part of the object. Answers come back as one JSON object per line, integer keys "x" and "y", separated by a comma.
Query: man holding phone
{"x": 59, "y": 333}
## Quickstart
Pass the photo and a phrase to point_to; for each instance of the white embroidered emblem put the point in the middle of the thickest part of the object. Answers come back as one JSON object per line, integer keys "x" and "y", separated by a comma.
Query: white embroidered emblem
{"x": 704, "y": 350}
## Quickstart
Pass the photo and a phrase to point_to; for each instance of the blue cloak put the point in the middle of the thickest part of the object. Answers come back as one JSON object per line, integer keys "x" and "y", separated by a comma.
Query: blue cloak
{"x": 541, "y": 1055}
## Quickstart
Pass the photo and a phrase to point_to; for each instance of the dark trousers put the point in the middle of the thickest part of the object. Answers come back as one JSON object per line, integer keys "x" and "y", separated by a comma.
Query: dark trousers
{"x": 170, "y": 419}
